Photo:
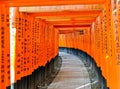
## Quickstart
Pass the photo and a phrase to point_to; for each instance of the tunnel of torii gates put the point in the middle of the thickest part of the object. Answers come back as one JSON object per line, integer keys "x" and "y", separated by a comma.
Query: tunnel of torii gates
{"x": 31, "y": 31}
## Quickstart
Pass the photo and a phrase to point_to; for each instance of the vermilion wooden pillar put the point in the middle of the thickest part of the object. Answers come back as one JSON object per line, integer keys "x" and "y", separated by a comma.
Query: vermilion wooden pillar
{"x": 4, "y": 46}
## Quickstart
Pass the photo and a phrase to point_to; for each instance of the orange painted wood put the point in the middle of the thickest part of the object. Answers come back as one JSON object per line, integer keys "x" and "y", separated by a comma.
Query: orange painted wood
{"x": 5, "y": 47}
{"x": 51, "y": 2}
{"x": 66, "y": 26}
{"x": 92, "y": 13}
{"x": 17, "y": 24}
{"x": 70, "y": 22}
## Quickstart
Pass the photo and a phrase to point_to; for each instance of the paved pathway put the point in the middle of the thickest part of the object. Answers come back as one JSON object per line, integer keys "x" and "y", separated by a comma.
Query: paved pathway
{"x": 73, "y": 74}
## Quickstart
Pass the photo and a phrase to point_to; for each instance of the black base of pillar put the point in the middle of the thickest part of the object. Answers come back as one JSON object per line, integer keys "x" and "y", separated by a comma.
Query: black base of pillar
{"x": 41, "y": 77}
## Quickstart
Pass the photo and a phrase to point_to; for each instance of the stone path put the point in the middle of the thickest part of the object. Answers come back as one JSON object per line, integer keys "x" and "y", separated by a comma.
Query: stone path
{"x": 73, "y": 74}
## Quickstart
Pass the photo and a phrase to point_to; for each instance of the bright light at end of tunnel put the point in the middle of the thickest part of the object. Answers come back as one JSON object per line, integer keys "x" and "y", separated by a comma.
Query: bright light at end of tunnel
{"x": 107, "y": 56}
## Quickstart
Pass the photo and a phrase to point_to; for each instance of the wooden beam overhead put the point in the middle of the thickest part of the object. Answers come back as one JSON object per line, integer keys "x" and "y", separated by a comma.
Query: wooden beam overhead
{"x": 71, "y": 19}
{"x": 67, "y": 31}
{"x": 34, "y": 9}
{"x": 89, "y": 21}
{"x": 93, "y": 13}
{"x": 68, "y": 26}
{"x": 71, "y": 30}
{"x": 50, "y": 2}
